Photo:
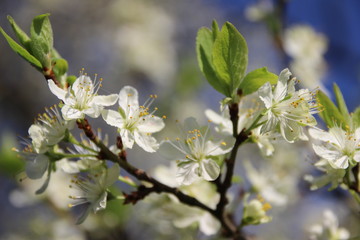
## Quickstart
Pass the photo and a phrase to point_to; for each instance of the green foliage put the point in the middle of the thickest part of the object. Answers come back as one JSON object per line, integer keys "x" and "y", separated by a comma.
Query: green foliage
{"x": 23, "y": 38}
{"x": 330, "y": 113}
{"x": 356, "y": 118}
{"x": 22, "y": 51}
{"x": 60, "y": 66}
{"x": 42, "y": 39}
{"x": 38, "y": 49}
{"x": 255, "y": 79}
{"x": 10, "y": 164}
{"x": 230, "y": 57}
{"x": 341, "y": 103}
{"x": 222, "y": 57}
{"x": 71, "y": 79}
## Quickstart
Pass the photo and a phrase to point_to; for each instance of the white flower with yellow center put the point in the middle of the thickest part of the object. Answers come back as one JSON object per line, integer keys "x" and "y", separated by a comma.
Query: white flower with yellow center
{"x": 81, "y": 98}
{"x": 195, "y": 153}
{"x": 255, "y": 211}
{"x": 184, "y": 216}
{"x": 92, "y": 190}
{"x": 340, "y": 147}
{"x": 287, "y": 109}
{"x": 135, "y": 122}
{"x": 329, "y": 229}
{"x": 49, "y": 129}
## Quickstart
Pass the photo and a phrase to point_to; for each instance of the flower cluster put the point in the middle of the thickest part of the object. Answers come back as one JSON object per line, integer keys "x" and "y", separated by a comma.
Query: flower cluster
{"x": 195, "y": 153}
{"x": 288, "y": 109}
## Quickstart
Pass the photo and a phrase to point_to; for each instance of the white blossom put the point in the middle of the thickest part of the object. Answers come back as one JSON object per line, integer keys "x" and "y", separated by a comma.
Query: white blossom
{"x": 255, "y": 211}
{"x": 92, "y": 190}
{"x": 268, "y": 184}
{"x": 195, "y": 153}
{"x": 248, "y": 110}
{"x": 306, "y": 48}
{"x": 49, "y": 129}
{"x": 135, "y": 122}
{"x": 331, "y": 175}
{"x": 184, "y": 216}
{"x": 86, "y": 154}
{"x": 340, "y": 148}
{"x": 329, "y": 229}
{"x": 287, "y": 109}
{"x": 82, "y": 99}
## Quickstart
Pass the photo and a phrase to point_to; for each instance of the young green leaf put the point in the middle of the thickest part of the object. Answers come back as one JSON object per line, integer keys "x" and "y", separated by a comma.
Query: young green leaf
{"x": 204, "y": 40}
{"x": 204, "y": 46}
{"x": 20, "y": 34}
{"x": 71, "y": 79}
{"x": 341, "y": 103}
{"x": 330, "y": 113}
{"x": 60, "y": 66}
{"x": 22, "y": 51}
{"x": 356, "y": 118}
{"x": 255, "y": 79}
{"x": 215, "y": 30}
{"x": 42, "y": 39}
{"x": 230, "y": 57}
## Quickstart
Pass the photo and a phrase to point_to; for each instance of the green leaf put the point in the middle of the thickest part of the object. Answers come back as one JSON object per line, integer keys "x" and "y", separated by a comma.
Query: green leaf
{"x": 42, "y": 39}
{"x": 330, "y": 113}
{"x": 20, "y": 34}
{"x": 230, "y": 57}
{"x": 215, "y": 30}
{"x": 71, "y": 79}
{"x": 22, "y": 51}
{"x": 204, "y": 46}
{"x": 341, "y": 103}
{"x": 356, "y": 118}
{"x": 60, "y": 67}
{"x": 204, "y": 40}
{"x": 255, "y": 79}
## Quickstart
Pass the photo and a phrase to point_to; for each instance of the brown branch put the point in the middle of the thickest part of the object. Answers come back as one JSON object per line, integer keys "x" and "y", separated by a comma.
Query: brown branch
{"x": 229, "y": 228}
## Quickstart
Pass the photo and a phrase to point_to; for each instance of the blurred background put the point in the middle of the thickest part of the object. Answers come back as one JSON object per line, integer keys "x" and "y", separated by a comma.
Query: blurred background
{"x": 150, "y": 44}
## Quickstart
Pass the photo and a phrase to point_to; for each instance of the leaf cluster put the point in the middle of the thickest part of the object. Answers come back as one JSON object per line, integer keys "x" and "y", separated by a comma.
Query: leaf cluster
{"x": 223, "y": 59}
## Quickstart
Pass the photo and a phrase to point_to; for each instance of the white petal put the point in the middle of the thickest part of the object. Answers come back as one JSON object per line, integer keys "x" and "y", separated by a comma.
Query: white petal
{"x": 321, "y": 135}
{"x": 127, "y": 138}
{"x": 357, "y": 156}
{"x": 78, "y": 85}
{"x": 168, "y": 151}
{"x": 271, "y": 123}
{"x": 265, "y": 94}
{"x": 187, "y": 173}
{"x": 208, "y": 224}
{"x": 128, "y": 96}
{"x": 93, "y": 111}
{"x": 339, "y": 136}
{"x": 83, "y": 213}
{"x": 214, "y": 117}
{"x": 219, "y": 148}
{"x": 281, "y": 86}
{"x": 290, "y": 130}
{"x": 71, "y": 113}
{"x": 190, "y": 123}
{"x": 60, "y": 93}
{"x": 100, "y": 204}
{"x": 36, "y": 168}
{"x": 146, "y": 142}
{"x": 37, "y": 135}
{"x": 342, "y": 162}
{"x": 113, "y": 118}
{"x": 210, "y": 169}
{"x": 112, "y": 175}
{"x": 151, "y": 124}
{"x": 326, "y": 153}
{"x": 108, "y": 100}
